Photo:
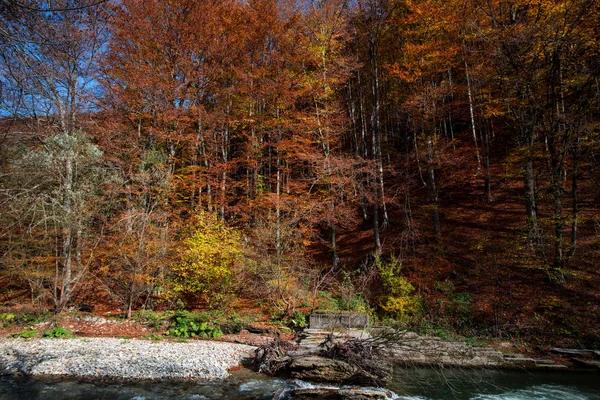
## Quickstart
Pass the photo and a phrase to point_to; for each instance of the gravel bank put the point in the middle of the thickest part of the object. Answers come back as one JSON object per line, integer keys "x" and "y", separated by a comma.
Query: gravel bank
{"x": 120, "y": 358}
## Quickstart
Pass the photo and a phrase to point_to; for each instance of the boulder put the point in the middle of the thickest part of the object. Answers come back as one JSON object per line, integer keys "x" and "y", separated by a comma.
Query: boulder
{"x": 340, "y": 394}
{"x": 317, "y": 368}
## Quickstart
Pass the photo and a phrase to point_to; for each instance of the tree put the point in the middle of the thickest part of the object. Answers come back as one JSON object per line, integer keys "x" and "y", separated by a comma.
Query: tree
{"x": 209, "y": 263}
{"x": 425, "y": 75}
{"x": 48, "y": 67}
{"x": 327, "y": 27}
{"x": 138, "y": 246}
{"x": 371, "y": 20}
{"x": 541, "y": 57}
{"x": 46, "y": 212}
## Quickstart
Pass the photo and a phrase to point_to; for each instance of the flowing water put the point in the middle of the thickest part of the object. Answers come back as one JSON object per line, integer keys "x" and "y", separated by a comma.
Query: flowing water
{"x": 413, "y": 384}
{"x": 458, "y": 384}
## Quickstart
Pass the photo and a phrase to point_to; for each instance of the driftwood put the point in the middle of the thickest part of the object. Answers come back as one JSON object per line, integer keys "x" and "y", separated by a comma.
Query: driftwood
{"x": 368, "y": 355}
{"x": 336, "y": 359}
{"x": 273, "y": 358}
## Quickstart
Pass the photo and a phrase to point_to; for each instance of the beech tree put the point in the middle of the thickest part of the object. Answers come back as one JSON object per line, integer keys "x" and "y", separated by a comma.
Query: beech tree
{"x": 539, "y": 54}
{"x": 327, "y": 25}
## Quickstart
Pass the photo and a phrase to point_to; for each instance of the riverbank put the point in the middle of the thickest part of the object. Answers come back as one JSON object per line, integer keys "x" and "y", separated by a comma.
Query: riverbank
{"x": 121, "y": 358}
{"x": 355, "y": 355}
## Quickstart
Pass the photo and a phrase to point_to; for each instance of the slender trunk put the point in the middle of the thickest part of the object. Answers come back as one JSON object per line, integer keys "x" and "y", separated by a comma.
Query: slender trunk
{"x": 472, "y": 114}
{"x": 386, "y": 219}
{"x": 375, "y": 146}
{"x": 556, "y": 184}
{"x": 556, "y": 144}
{"x": 575, "y": 204}
{"x": 67, "y": 247}
{"x": 363, "y": 202}
{"x": 416, "y": 146}
{"x": 558, "y": 226}
{"x": 376, "y": 133}
{"x": 410, "y": 227}
{"x": 223, "y": 195}
{"x": 278, "y": 246}
{"x": 130, "y": 296}
{"x": 434, "y": 200}
{"x": 530, "y": 203}
{"x": 450, "y": 111}
{"x": 431, "y": 184}
{"x": 209, "y": 198}
{"x": 487, "y": 190}
{"x": 335, "y": 258}
{"x": 376, "y": 223}
{"x": 363, "y": 120}
{"x": 451, "y": 128}
{"x": 353, "y": 118}
{"x": 559, "y": 260}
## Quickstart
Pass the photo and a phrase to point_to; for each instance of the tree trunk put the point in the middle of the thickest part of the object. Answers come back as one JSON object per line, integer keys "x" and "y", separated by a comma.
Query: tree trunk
{"x": 530, "y": 203}
{"x": 376, "y": 132}
{"x": 130, "y": 297}
{"x": 376, "y": 237}
{"x": 434, "y": 201}
{"x": 472, "y": 114}
{"x": 575, "y": 204}
{"x": 64, "y": 296}
{"x": 487, "y": 186}
{"x": 335, "y": 259}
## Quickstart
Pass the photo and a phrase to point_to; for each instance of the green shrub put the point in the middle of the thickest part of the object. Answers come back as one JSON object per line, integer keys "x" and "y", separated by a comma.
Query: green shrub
{"x": 26, "y": 334}
{"x": 298, "y": 320}
{"x": 7, "y": 318}
{"x": 459, "y": 306}
{"x": 58, "y": 332}
{"x": 24, "y": 319}
{"x": 232, "y": 324}
{"x": 455, "y": 306}
{"x": 149, "y": 318}
{"x": 327, "y": 301}
{"x": 185, "y": 325}
{"x": 154, "y": 337}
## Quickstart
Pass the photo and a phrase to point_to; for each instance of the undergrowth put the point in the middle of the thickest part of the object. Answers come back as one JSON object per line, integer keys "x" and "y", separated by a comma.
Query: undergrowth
{"x": 185, "y": 325}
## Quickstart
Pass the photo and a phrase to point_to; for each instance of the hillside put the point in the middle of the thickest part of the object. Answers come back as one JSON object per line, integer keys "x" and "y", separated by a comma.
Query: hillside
{"x": 431, "y": 163}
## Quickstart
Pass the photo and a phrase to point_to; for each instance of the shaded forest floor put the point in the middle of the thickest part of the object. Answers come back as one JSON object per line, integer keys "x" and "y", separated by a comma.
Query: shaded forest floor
{"x": 484, "y": 252}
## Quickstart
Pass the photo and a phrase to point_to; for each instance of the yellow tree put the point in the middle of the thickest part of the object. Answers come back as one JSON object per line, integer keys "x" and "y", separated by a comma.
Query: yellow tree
{"x": 210, "y": 263}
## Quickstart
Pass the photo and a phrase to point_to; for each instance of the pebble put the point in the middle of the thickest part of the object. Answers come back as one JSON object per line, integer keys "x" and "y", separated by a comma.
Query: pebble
{"x": 120, "y": 358}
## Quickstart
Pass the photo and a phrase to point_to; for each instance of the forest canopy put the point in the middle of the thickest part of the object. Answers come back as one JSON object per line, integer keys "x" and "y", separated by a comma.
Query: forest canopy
{"x": 425, "y": 161}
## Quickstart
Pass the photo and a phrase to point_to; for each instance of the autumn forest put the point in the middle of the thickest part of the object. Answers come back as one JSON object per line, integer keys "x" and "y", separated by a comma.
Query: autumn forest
{"x": 433, "y": 163}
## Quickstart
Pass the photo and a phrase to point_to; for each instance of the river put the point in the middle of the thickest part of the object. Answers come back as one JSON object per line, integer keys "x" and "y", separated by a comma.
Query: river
{"x": 414, "y": 384}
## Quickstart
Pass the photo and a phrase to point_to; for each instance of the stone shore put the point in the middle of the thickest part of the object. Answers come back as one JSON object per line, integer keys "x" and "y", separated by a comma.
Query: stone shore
{"x": 121, "y": 358}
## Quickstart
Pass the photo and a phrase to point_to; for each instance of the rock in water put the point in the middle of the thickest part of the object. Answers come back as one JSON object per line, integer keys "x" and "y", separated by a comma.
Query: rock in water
{"x": 340, "y": 394}
{"x": 316, "y": 368}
